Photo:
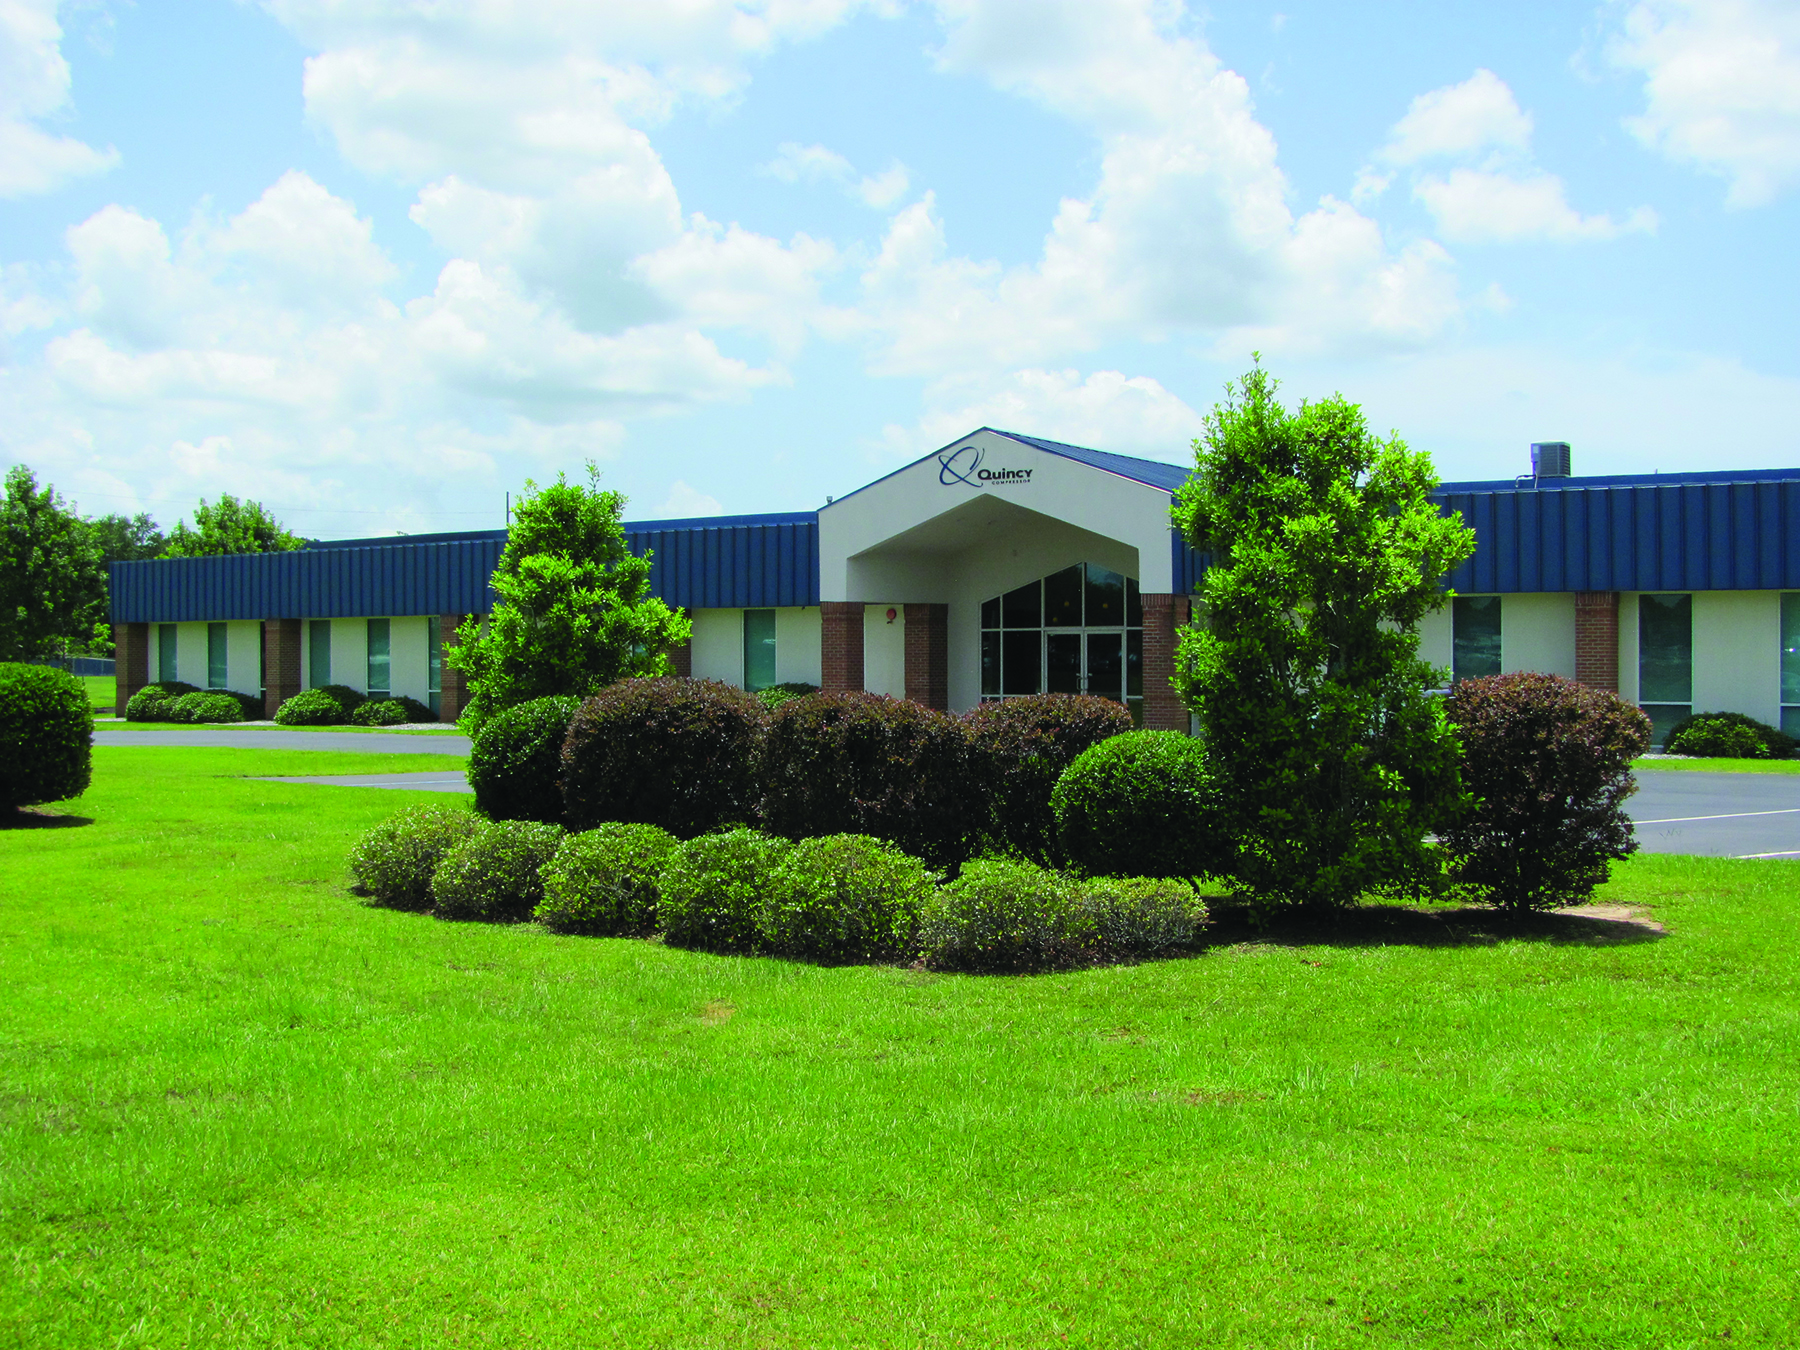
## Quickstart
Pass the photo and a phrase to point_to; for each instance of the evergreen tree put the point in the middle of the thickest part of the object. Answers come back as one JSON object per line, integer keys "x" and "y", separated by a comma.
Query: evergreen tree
{"x": 229, "y": 526}
{"x": 1332, "y": 760}
{"x": 52, "y": 584}
{"x": 575, "y": 612}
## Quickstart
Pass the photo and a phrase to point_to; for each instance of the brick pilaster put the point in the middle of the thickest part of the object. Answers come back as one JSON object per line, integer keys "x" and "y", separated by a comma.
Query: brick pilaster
{"x": 928, "y": 655}
{"x": 681, "y": 657}
{"x": 281, "y": 662}
{"x": 841, "y": 646}
{"x": 1597, "y": 639}
{"x": 131, "y": 661}
{"x": 453, "y": 685}
{"x": 1164, "y": 616}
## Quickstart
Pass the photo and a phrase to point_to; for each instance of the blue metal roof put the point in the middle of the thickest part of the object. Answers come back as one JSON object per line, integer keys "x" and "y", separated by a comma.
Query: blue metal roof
{"x": 1718, "y": 530}
{"x": 728, "y": 562}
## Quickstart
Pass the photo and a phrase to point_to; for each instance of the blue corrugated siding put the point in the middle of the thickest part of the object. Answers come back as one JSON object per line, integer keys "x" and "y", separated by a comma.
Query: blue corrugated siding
{"x": 1664, "y": 537}
{"x": 734, "y": 566}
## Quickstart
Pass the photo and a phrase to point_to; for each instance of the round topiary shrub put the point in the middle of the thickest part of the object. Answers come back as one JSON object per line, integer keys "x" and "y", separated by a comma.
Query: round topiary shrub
{"x": 604, "y": 881}
{"x": 1021, "y": 747}
{"x": 1141, "y": 804}
{"x": 1142, "y": 916}
{"x": 844, "y": 897}
{"x": 496, "y": 873}
{"x": 1549, "y": 764}
{"x": 391, "y": 712}
{"x": 713, "y": 889}
{"x": 1727, "y": 736}
{"x": 395, "y": 861}
{"x": 516, "y": 760}
{"x": 46, "y": 736}
{"x": 153, "y": 702}
{"x": 330, "y": 705}
{"x": 869, "y": 764}
{"x": 667, "y": 751}
{"x": 1002, "y": 914}
{"x": 206, "y": 706}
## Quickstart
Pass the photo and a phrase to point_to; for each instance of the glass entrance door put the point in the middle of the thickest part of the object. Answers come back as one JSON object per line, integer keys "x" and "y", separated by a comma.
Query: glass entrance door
{"x": 1077, "y": 631}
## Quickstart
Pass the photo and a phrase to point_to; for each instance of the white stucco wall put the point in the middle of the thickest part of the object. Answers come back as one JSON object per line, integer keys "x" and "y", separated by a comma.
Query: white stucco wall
{"x": 718, "y": 645}
{"x": 1537, "y": 632}
{"x": 350, "y": 653}
{"x": 190, "y": 653}
{"x": 1436, "y": 638}
{"x": 409, "y": 656}
{"x": 243, "y": 656}
{"x": 799, "y": 645}
{"x": 1737, "y": 653}
{"x": 1628, "y": 647}
{"x": 884, "y": 650}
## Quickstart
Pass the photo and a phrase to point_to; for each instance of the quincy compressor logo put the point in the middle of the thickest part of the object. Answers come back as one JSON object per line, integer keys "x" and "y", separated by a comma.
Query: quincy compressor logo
{"x": 963, "y": 465}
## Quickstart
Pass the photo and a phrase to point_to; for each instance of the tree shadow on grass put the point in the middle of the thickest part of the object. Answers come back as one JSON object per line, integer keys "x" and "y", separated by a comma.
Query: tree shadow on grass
{"x": 26, "y": 819}
{"x": 1409, "y": 926}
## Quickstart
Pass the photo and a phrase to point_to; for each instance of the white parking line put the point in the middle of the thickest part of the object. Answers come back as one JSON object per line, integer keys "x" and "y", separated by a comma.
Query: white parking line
{"x": 1730, "y": 815}
{"x": 1789, "y": 853}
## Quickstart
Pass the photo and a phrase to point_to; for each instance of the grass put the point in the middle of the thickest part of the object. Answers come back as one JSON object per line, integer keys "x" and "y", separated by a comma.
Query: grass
{"x": 1681, "y": 763}
{"x": 102, "y": 690}
{"x": 240, "y": 1107}
{"x": 448, "y": 729}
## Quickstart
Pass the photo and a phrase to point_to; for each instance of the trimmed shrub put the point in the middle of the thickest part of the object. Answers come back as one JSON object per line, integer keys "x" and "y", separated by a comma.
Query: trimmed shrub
{"x": 206, "y": 706}
{"x": 516, "y": 760}
{"x": 46, "y": 736}
{"x": 844, "y": 897}
{"x": 1715, "y": 738}
{"x": 1021, "y": 747}
{"x": 869, "y": 764}
{"x": 1005, "y": 915}
{"x": 311, "y": 708}
{"x": 1732, "y": 744}
{"x": 666, "y": 751}
{"x": 496, "y": 872}
{"x": 391, "y": 712}
{"x": 777, "y": 694}
{"x": 604, "y": 880}
{"x": 1142, "y": 916}
{"x": 395, "y": 861}
{"x": 153, "y": 701}
{"x": 1549, "y": 764}
{"x": 713, "y": 889}
{"x": 1141, "y": 804}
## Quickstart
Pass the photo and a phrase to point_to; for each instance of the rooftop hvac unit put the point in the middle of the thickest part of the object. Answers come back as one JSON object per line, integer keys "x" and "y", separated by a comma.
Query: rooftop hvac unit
{"x": 1550, "y": 459}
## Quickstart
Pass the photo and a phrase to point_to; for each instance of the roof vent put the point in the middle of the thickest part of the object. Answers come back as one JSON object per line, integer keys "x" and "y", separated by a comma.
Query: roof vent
{"x": 1550, "y": 459}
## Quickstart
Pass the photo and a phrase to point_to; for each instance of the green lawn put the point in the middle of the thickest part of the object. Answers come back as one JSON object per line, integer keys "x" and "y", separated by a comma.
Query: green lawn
{"x": 1682, "y": 763}
{"x": 103, "y": 692}
{"x": 240, "y": 1107}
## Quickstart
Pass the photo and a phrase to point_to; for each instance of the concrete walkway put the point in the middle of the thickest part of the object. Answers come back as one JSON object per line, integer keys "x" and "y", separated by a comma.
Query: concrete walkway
{"x": 255, "y": 738}
{"x": 405, "y": 782}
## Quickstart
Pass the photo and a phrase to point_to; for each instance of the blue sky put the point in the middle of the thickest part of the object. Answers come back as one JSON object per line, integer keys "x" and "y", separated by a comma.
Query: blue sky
{"x": 376, "y": 264}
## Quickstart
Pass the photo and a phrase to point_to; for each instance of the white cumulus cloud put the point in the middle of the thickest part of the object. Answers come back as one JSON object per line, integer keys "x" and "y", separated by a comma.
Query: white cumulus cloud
{"x": 1721, "y": 88}
{"x": 34, "y": 86}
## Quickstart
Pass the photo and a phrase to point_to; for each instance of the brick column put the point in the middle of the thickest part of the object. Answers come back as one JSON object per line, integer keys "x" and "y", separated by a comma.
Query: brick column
{"x": 453, "y": 686}
{"x": 281, "y": 662}
{"x": 928, "y": 655}
{"x": 1597, "y": 639}
{"x": 681, "y": 657}
{"x": 1164, "y": 616}
{"x": 841, "y": 646}
{"x": 131, "y": 661}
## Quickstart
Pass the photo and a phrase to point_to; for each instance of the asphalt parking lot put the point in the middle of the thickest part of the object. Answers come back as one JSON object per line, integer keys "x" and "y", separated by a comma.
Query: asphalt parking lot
{"x": 1719, "y": 815}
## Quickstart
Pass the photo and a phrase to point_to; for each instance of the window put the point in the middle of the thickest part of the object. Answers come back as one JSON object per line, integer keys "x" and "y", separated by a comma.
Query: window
{"x": 378, "y": 685}
{"x": 215, "y": 656}
{"x": 318, "y": 653}
{"x": 1475, "y": 636}
{"x": 1080, "y": 630}
{"x": 1665, "y": 660}
{"x": 434, "y": 664}
{"x": 1790, "y": 663}
{"x": 759, "y": 649}
{"x": 166, "y": 666}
